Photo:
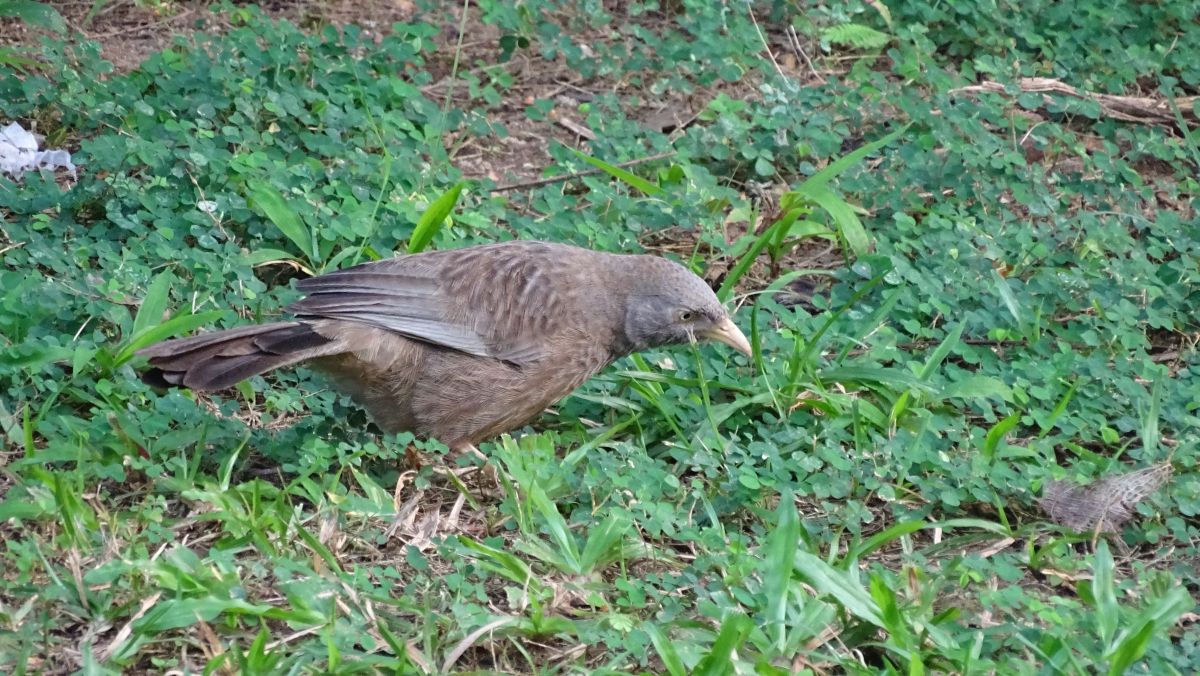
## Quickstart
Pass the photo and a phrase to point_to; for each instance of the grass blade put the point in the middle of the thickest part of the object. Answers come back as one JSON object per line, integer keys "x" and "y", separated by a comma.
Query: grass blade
{"x": 1154, "y": 621}
{"x": 939, "y": 355}
{"x": 804, "y": 349}
{"x": 601, "y": 542}
{"x": 889, "y": 611}
{"x": 838, "y": 166}
{"x": 1105, "y": 593}
{"x": 739, "y": 269}
{"x": 1007, "y": 297}
{"x": 943, "y": 350}
{"x": 847, "y": 222}
{"x": 154, "y": 305}
{"x": 635, "y": 181}
{"x": 557, "y": 527}
{"x": 878, "y": 318}
{"x": 276, "y": 208}
{"x": 434, "y": 218}
{"x": 839, "y": 584}
{"x": 882, "y": 538}
{"x": 176, "y": 325}
{"x": 1184, "y": 129}
{"x": 997, "y": 434}
{"x": 501, "y": 562}
{"x": 666, "y": 650}
{"x": 719, "y": 660}
{"x": 1059, "y": 408}
{"x": 777, "y": 574}
{"x": 1148, "y": 430}
{"x": 268, "y": 256}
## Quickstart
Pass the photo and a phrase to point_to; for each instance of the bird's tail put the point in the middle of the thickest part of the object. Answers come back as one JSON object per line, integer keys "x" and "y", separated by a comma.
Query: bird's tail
{"x": 217, "y": 360}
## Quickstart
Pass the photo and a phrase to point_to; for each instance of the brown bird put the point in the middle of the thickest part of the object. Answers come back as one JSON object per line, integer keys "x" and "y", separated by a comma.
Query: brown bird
{"x": 464, "y": 344}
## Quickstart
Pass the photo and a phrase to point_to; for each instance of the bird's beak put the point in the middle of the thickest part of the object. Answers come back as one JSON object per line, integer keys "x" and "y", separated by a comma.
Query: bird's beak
{"x": 727, "y": 332}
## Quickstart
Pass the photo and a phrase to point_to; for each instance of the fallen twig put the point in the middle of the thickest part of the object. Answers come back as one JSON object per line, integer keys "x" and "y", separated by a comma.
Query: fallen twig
{"x": 1141, "y": 109}
{"x": 539, "y": 182}
{"x": 574, "y": 127}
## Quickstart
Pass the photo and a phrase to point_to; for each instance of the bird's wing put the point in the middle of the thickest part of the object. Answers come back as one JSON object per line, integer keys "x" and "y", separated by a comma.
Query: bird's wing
{"x": 502, "y": 301}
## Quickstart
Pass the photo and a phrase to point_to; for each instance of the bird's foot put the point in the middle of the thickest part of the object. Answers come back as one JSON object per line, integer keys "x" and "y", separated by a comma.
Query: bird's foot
{"x": 459, "y": 472}
{"x": 487, "y": 471}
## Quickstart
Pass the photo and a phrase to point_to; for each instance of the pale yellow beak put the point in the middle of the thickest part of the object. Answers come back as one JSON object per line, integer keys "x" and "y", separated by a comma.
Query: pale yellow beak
{"x": 727, "y": 332}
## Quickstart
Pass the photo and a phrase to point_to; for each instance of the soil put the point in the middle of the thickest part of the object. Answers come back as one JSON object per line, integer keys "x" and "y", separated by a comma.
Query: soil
{"x": 129, "y": 31}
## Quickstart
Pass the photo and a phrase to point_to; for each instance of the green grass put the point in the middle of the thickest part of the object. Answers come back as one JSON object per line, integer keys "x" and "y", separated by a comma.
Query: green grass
{"x": 976, "y": 319}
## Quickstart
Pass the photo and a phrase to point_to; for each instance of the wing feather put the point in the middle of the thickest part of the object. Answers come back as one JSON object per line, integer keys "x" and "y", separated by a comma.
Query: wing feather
{"x": 500, "y": 301}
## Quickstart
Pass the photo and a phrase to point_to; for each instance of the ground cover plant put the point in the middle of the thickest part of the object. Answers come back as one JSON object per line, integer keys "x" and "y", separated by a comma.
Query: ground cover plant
{"x": 962, "y": 237}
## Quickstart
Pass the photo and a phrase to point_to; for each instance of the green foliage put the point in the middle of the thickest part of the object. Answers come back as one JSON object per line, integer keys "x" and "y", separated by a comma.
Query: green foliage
{"x": 1096, "y": 45}
{"x": 855, "y": 35}
{"x": 434, "y": 218}
{"x": 33, "y": 14}
{"x": 37, "y": 14}
{"x": 796, "y": 206}
{"x": 859, "y": 496}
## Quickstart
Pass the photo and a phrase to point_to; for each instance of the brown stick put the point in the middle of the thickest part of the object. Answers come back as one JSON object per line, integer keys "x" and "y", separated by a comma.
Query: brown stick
{"x": 574, "y": 127}
{"x": 1141, "y": 109}
{"x": 539, "y": 182}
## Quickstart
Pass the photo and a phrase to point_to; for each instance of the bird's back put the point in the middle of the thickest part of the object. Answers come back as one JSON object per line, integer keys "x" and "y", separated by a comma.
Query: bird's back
{"x": 542, "y": 314}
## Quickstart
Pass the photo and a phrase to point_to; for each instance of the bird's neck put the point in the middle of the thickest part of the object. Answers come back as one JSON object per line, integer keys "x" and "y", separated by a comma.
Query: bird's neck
{"x": 622, "y": 346}
{"x": 624, "y": 279}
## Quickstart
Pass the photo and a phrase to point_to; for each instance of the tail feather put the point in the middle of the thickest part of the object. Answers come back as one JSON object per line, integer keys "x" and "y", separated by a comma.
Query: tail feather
{"x": 221, "y": 359}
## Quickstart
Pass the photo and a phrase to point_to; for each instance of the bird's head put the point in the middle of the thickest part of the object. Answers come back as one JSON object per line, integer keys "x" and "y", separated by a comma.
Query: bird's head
{"x": 669, "y": 305}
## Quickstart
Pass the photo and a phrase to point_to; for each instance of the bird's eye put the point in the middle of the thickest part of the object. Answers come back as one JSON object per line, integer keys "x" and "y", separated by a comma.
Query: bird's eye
{"x": 687, "y": 316}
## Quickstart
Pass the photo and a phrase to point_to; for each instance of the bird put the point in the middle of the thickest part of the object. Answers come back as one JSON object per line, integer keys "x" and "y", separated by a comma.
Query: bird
{"x": 461, "y": 345}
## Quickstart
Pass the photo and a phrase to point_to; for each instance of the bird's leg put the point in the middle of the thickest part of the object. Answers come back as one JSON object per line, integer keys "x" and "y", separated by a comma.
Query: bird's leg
{"x": 459, "y": 451}
{"x": 487, "y": 470}
{"x": 465, "y": 449}
{"x": 412, "y": 459}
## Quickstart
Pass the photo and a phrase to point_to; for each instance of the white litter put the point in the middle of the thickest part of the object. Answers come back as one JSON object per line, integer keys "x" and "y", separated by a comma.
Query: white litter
{"x": 19, "y": 153}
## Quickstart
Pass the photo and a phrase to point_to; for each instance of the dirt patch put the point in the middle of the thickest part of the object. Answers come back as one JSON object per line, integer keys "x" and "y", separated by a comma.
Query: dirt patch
{"x": 518, "y": 151}
{"x": 468, "y": 52}
{"x": 128, "y": 31}
{"x": 468, "y": 57}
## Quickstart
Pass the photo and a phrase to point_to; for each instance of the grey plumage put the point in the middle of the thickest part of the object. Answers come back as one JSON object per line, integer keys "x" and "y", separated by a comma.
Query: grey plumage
{"x": 462, "y": 344}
